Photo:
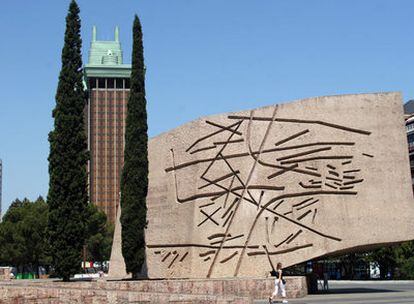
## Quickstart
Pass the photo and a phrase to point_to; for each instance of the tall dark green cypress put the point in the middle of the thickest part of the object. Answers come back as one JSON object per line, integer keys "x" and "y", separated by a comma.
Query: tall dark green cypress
{"x": 68, "y": 197}
{"x": 134, "y": 181}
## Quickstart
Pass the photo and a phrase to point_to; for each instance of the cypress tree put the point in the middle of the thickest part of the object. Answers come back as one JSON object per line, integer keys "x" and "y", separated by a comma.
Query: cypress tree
{"x": 134, "y": 181}
{"x": 67, "y": 197}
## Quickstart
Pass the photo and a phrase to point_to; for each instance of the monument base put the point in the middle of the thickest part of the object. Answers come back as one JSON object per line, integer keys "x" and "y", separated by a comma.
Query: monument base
{"x": 220, "y": 291}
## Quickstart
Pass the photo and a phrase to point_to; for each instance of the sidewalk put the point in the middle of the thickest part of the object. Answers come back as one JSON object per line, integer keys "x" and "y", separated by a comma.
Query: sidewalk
{"x": 361, "y": 292}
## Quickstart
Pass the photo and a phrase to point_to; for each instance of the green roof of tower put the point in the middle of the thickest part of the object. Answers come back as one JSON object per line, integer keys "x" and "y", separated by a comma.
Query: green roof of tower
{"x": 105, "y": 58}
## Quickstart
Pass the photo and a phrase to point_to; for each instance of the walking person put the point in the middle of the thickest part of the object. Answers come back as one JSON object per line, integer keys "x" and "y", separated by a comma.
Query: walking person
{"x": 279, "y": 285}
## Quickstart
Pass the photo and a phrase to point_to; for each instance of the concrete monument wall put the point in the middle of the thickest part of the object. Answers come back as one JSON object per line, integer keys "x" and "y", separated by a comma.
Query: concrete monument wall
{"x": 231, "y": 195}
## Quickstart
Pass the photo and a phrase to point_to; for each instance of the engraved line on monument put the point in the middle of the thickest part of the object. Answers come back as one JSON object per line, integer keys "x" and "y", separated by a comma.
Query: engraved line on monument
{"x": 240, "y": 181}
{"x": 309, "y": 186}
{"x": 333, "y": 172}
{"x": 333, "y": 179}
{"x": 228, "y": 218}
{"x": 227, "y": 240}
{"x": 247, "y": 182}
{"x": 294, "y": 236}
{"x": 331, "y": 186}
{"x": 304, "y": 153}
{"x": 278, "y": 204}
{"x": 284, "y": 241}
{"x": 250, "y": 232}
{"x": 308, "y": 204}
{"x": 199, "y": 246}
{"x": 268, "y": 257}
{"x": 292, "y": 168}
{"x": 229, "y": 209}
{"x": 223, "y": 127}
{"x": 229, "y": 257}
{"x": 216, "y": 235}
{"x": 228, "y": 192}
{"x": 368, "y": 155}
{"x": 296, "y": 135}
{"x": 228, "y": 142}
{"x": 304, "y": 121}
{"x": 304, "y": 215}
{"x": 224, "y": 177}
{"x": 221, "y": 150}
{"x": 299, "y": 194}
{"x": 244, "y": 154}
{"x": 204, "y": 254}
{"x": 279, "y": 251}
{"x": 260, "y": 198}
{"x": 175, "y": 258}
{"x": 212, "y": 134}
{"x": 314, "y": 215}
{"x": 300, "y": 160}
{"x": 313, "y": 182}
{"x": 184, "y": 256}
{"x": 265, "y": 207}
{"x": 208, "y": 217}
{"x": 302, "y": 202}
{"x": 231, "y": 190}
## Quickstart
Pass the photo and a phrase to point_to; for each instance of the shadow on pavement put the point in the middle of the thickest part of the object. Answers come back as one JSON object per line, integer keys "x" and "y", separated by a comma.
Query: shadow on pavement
{"x": 355, "y": 290}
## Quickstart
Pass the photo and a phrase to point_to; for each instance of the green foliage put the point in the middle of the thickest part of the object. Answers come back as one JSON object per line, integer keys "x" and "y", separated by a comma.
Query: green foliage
{"x": 134, "y": 181}
{"x": 384, "y": 258}
{"x": 404, "y": 258}
{"x": 398, "y": 260}
{"x": 100, "y": 234}
{"x": 67, "y": 197}
{"x": 23, "y": 234}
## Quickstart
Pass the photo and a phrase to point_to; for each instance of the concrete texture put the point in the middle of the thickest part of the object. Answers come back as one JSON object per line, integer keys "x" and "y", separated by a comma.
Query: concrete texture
{"x": 117, "y": 263}
{"x": 238, "y": 291}
{"x": 231, "y": 195}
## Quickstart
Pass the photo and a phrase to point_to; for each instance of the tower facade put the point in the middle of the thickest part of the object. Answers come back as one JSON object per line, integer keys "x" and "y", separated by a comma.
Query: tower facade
{"x": 108, "y": 83}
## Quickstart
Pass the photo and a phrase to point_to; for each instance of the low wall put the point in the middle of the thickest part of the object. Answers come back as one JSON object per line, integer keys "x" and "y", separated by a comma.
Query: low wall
{"x": 5, "y": 273}
{"x": 218, "y": 291}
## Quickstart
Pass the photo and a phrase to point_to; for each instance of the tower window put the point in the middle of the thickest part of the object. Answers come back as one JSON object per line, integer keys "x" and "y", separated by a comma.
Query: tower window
{"x": 110, "y": 83}
{"x": 101, "y": 83}
{"x": 92, "y": 83}
{"x": 119, "y": 83}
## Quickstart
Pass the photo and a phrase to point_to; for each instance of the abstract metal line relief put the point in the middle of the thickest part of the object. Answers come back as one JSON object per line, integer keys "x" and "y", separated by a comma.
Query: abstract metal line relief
{"x": 233, "y": 194}
{"x": 222, "y": 191}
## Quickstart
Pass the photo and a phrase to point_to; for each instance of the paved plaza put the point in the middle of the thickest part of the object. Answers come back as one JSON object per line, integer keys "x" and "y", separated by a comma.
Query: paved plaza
{"x": 360, "y": 292}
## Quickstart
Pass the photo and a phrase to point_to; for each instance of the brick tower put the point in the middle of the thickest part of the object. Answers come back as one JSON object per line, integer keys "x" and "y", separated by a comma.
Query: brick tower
{"x": 108, "y": 82}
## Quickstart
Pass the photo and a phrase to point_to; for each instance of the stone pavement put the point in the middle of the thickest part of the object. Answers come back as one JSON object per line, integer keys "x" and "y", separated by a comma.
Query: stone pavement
{"x": 361, "y": 292}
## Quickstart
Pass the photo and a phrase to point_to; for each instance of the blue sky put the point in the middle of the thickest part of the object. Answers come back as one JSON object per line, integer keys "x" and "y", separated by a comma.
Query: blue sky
{"x": 202, "y": 57}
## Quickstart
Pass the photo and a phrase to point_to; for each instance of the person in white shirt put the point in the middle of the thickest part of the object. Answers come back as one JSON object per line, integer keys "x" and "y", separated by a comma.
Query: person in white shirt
{"x": 279, "y": 285}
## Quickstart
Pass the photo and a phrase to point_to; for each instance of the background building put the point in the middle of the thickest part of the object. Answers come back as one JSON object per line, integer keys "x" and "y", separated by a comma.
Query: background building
{"x": 108, "y": 82}
{"x": 1, "y": 189}
{"x": 409, "y": 125}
